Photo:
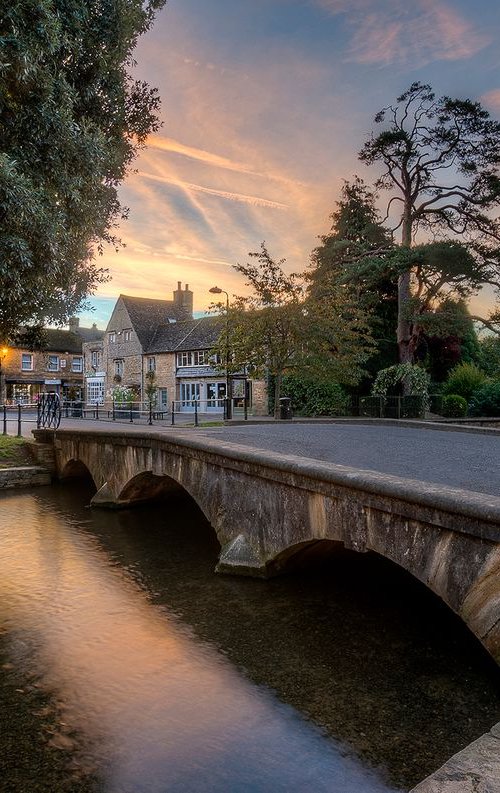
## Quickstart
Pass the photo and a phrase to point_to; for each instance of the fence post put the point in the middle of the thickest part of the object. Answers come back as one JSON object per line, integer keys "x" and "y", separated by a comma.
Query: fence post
{"x": 97, "y": 410}
{"x": 19, "y": 433}
{"x": 173, "y": 413}
{"x": 399, "y": 406}
{"x": 245, "y": 408}
{"x": 195, "y": 412}
{"x": 380, "y": 407}
{"x": 131, "y": 420}
{"x": 150, "y": 420}
{"x": 5, "y": 419}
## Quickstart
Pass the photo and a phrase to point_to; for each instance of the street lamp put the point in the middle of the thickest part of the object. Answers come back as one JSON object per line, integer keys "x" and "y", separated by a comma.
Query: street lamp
{"x": 3, "y": 353}
{"x": 216, "y": 290}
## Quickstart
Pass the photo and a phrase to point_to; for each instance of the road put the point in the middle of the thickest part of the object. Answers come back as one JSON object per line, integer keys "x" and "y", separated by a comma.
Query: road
{"x": 466, "y": 460}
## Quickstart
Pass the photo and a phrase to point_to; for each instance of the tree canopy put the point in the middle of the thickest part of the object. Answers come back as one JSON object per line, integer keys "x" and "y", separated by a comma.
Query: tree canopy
{"x": 277, "y": 329}
{"x": 440, "y": 159}
{"x": 71, "y": 121}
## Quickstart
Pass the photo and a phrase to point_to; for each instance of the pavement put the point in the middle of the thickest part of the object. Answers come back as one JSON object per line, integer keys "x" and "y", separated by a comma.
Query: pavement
{"x": 465, "y": 460}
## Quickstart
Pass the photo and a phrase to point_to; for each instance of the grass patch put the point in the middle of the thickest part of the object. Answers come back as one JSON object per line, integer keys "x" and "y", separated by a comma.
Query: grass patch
{"x": 14, "y": 452}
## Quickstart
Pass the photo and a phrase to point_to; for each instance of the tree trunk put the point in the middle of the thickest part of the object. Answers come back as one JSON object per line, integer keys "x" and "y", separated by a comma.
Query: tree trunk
{"x": 404, "y": 333}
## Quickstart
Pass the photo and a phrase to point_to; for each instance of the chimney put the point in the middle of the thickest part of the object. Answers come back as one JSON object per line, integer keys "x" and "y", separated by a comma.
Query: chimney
{"x": 183, "y": 301}
{"x": 73, "y": 323}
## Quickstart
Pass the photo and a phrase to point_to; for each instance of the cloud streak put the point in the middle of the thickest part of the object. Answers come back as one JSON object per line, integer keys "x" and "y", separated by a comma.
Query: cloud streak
{"x": 226, "y": 194}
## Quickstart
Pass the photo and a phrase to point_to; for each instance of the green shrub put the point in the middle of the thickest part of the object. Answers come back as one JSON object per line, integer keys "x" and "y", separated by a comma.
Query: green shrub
{"x": 314, "y": 397}
{"x": 486, "y": 401}
{"x": 464, "y": 380}
{"x": 454, "y": 406}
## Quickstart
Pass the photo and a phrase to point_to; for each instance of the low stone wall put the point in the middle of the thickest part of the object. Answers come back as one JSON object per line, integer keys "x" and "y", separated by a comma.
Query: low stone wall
{"x": 476, "y": 769}
{"x": 27, "y": 476}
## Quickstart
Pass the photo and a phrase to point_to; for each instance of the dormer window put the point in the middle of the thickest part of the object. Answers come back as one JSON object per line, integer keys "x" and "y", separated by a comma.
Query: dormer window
{"x": 112, "y": 337}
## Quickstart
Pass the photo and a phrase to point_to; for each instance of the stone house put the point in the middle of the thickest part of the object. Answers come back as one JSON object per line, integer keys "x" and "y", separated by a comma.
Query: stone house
{"x": 57, "y": 367}
{"x": 159, "y": 339}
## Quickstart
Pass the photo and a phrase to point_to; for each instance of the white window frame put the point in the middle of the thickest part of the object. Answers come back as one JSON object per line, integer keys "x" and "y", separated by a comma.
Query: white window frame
{"x": 151, "y": 363}
{"x": 77, "y": 364}
{"x": 127, "y": 335}
{"x": 95, "y": 359}
{"x": 119, "y": 366}
{"x": 53, "y": 363}
{"x": 112, "y": 337}
{"x": 26, "y": 358}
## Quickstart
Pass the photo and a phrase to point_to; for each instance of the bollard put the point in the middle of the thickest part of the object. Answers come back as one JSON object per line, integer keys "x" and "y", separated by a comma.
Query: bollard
{"x": 5, "y": 419}
{"x": 19, "y": 433}
{"x": 245, "y": 408}
{"x": 131, "y": 420}
{"x": 173, "y": 413}
{"x": 195, "y": 412}
{"x": 150, "y": 421}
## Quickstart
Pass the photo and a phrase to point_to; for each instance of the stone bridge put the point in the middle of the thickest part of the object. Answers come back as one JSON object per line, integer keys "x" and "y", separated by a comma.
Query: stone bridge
{"x": 270, "y": 510}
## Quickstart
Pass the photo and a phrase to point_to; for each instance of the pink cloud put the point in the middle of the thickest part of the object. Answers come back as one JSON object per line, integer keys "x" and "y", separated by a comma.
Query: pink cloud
{"x": 492, "y": 99}
{"x": 393, "y": 31}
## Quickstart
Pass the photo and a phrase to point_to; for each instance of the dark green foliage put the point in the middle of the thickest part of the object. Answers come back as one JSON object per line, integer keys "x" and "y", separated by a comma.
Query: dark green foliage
{"x": 464, "y": 380}
{"x": 311, "y": 397}
{"x": 454, "y": 406}
{"x": 71, "y": 121}
{"x": 489, "y": 356}
{"x": 486, "y": 400}
{"x": 349, "y": 257}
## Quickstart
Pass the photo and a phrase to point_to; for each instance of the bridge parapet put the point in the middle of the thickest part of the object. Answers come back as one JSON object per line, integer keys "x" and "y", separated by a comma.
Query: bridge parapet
{"x": 267, "y": 508}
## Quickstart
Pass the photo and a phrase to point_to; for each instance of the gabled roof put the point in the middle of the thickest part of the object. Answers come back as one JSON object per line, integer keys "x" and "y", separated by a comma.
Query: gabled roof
{"x": 196, "y": 334}
{"x": 147, "y": 314}
{"x": 90, "y": 334}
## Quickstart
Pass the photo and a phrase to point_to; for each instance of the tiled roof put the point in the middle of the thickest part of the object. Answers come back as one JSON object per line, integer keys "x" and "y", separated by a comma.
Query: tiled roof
{"x": 147, "y": 314}
{"x": 196, "y": 334}
{"x": 90, "y": 334}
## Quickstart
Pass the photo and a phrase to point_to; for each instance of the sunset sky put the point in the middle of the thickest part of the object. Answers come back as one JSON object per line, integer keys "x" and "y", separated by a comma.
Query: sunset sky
{"x": 265, "y": 105}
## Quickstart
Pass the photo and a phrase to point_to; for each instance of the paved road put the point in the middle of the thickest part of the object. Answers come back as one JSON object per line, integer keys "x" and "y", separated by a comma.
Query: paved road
{"x": 456, "y": 459}
{"x": 467, "y": 460}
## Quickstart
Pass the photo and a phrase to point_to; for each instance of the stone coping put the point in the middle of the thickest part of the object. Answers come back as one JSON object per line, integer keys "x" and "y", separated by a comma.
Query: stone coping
{"x": 474, "y": 505}
{"x": 476, "y": 769}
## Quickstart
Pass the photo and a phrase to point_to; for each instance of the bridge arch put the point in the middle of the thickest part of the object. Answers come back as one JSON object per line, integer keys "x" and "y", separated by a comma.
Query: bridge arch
{"x": 267, "y": 507}
{"x": 76, "y": 469}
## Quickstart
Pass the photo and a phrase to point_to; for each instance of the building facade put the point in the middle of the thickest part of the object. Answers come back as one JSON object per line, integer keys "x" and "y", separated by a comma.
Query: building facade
{"x": 157, "y": 347}
{"x": 57, "y": 367}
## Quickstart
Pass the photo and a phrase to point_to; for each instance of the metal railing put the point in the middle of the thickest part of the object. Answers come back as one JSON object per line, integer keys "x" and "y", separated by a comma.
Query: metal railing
{"x": 17, "y": 415}
{"x": 180, "y": 411}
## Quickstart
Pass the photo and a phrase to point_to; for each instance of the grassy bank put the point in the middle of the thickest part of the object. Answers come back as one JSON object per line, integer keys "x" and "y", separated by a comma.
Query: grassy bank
{"x": 14, "y": 452}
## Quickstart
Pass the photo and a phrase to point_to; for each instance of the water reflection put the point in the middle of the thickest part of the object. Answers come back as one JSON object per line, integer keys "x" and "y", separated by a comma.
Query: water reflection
{"x": 157, "y": 708}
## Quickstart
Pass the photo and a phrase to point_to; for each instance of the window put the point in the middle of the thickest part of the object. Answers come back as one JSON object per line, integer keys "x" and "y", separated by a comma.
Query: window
{"x": 127, "y": 335}
{"x": 119, "y": 366}
{"x": 53, "y": 363}
{"x": 77, "y": 365}
{"x": 112, "y": 337}
{"x": 192, "y": 358}
{"x": 95, "y": 391}
{"x": 152, "y": 364}
{"x": 27, "y": 362}
{"x": 95, "y": 359}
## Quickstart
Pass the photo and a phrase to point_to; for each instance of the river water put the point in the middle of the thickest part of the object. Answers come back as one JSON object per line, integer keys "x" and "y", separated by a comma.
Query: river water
{"x": 137, "y": 670}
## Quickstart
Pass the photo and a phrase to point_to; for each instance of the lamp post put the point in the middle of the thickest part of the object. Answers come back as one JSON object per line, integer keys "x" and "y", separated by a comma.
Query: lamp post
{"x": 3, "y": 353}
{"x": 216, "y": 290}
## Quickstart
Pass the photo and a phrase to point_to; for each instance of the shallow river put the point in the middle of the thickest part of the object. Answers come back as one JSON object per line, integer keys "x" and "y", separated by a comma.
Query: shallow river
{"x": 137, "y": 670}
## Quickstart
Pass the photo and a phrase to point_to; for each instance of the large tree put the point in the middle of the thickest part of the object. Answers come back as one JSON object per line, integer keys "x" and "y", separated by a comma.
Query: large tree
{"x": 276, "y": 329}
{"x": 440, "y": 159}
{"x": 71, "y": 121}
{"x": 355, "y": 237}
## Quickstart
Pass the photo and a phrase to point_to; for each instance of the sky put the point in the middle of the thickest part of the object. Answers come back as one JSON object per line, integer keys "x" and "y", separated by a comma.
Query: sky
{"x": 265, "y": 106}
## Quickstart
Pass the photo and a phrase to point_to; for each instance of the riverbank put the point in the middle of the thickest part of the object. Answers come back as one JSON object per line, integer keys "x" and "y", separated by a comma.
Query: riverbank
{"x": 15, "y": 452}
